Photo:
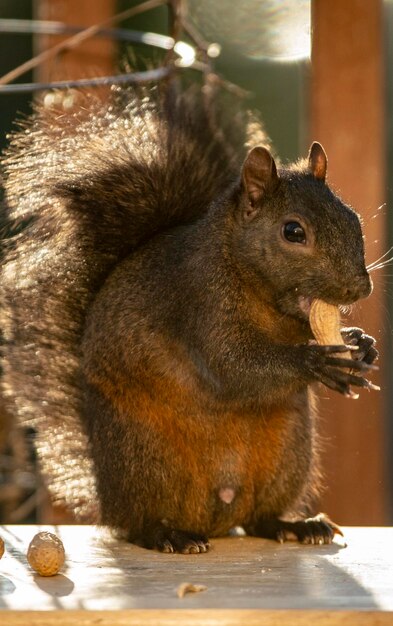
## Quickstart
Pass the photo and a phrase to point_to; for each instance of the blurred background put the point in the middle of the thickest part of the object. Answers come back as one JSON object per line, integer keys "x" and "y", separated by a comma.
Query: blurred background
{"x": 316, "y": 71}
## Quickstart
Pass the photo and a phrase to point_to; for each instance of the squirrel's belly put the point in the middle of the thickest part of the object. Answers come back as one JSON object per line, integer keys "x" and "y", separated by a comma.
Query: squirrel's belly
{"x": 259, "y": 466}
{"x": 202, "y": 466}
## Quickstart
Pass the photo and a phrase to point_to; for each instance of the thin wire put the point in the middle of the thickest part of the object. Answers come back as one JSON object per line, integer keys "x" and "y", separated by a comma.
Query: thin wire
{"x": 133, "y": 77}
{"x": 42, "y": 27}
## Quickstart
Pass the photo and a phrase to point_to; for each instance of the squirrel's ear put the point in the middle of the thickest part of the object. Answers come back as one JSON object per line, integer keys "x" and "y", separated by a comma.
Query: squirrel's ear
{"x": 259, "y": 176}
{"x": 317, "y": 161}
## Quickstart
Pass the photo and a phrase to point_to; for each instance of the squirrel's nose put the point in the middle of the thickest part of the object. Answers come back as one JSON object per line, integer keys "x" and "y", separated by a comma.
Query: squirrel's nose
{"x": 360, "y": 287}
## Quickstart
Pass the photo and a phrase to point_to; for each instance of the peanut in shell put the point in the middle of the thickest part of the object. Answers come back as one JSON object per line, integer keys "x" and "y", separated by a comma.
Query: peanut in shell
{"x": 325, "y": 325}
{"x": 46, "y": 554}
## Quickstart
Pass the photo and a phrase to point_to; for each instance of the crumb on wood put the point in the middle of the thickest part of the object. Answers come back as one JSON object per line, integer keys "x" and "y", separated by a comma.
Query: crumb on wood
{"x": 184, "y": 588}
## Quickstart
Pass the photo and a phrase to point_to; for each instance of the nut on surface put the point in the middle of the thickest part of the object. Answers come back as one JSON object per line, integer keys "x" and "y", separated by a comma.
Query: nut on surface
{"x": 1, "y": 547}
{"x": 46, "y": 554}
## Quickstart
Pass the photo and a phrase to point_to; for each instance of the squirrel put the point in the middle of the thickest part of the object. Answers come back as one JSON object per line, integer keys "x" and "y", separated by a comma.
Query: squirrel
{"x": 157, "y": 275}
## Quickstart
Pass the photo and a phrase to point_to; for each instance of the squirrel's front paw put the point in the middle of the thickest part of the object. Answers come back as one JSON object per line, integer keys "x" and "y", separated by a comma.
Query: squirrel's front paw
{"x": 335, "y": 372}
{"x": 367, "y": 351}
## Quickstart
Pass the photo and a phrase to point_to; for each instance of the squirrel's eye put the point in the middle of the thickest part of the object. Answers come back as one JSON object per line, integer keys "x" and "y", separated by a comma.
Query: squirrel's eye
{"x": 294, "y": 232}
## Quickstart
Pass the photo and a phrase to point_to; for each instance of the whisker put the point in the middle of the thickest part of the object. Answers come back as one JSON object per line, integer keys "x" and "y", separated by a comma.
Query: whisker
{"x": 370, "y": 265}
{"x": 380, "y": 265}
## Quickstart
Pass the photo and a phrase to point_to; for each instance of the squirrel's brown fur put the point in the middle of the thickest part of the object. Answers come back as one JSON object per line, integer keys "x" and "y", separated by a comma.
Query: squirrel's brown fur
{"x": 150, "y": 310}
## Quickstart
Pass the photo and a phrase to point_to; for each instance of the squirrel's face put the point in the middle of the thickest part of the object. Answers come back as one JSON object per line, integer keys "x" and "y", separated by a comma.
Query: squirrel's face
{"x": 300, "y": 241}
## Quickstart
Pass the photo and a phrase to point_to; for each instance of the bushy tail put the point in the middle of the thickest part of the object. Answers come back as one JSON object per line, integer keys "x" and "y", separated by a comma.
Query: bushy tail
{"x": 82, "y": 190}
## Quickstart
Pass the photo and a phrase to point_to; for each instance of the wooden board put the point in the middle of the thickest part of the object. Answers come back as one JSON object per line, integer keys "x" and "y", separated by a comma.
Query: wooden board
{"x": 248, "y": 580}
{"x": 348, "y": 117}
{"x": 93, "y": 57}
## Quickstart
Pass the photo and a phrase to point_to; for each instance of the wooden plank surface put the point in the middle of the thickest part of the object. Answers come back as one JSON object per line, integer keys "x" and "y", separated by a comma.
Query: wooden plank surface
{"x": 248, "y": 581}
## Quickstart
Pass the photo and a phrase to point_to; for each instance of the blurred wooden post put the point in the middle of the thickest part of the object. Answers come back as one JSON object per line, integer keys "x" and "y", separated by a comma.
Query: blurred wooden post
{"x": 94, "y": 57}
{"x": 347, "y": 117}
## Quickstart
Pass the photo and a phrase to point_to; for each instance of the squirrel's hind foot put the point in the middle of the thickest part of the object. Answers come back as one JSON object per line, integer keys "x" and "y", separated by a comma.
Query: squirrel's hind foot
{"x": 316, "y": 530}
{"x": 167, "y": 539}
